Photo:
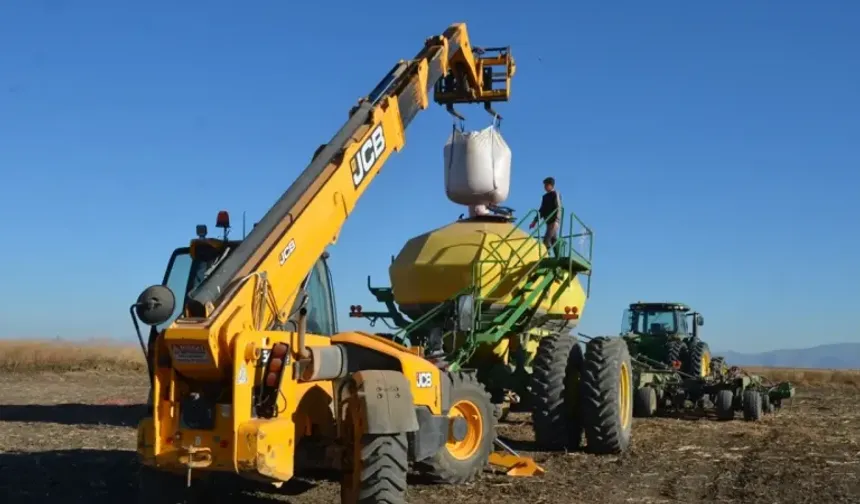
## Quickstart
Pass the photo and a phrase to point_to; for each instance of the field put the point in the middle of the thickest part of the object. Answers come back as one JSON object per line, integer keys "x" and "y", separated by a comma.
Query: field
{"x": 68, "y": 414}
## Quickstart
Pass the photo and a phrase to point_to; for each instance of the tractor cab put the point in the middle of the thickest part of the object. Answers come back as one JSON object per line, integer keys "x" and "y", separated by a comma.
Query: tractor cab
{"x": 660, "y": 334}
{"x": 186, "y": 269}
{"x": 189, "y": 266}
{"x": 661, "y": 320}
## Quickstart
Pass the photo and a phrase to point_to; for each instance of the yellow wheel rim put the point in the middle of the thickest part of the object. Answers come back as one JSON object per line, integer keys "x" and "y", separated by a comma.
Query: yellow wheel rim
{"x": 625, "y": 402}
{"x": 471, "y": 443}
{"x": 706, "y": 364}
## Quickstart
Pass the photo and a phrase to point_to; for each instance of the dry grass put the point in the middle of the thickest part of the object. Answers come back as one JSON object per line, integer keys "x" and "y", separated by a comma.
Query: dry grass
{"x": 59, "y": 355}
{"x": 810, "y": 377}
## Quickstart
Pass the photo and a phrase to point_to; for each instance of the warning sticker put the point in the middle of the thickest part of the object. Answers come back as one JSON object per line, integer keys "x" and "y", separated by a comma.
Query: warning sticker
{"x": 190, "y": 354}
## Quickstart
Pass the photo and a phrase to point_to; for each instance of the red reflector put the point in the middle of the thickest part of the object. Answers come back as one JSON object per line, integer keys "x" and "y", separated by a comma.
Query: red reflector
{"x": 223, "y": 444}
{"x": 279, "y": 350}
{"x": 275, "y": 365}
{"x": 271, "y": 379}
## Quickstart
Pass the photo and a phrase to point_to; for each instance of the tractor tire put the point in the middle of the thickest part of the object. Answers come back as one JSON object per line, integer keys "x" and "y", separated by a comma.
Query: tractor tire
{"x": 606, "y": 396}
{"x": 698, "y": 362}
{"x": 459, "y": 461}
{"x": 719, "y": 364}
{"x": 645, "y": 402}
{"x": 724, "y": 404}
{"x": 556, "y": 370}
{"x": 379, "y": 474}
{"x": 766, "y": 406}
{"x": 752, "y": 405}
{"x": 373, "y": 466}
{"x": 674, "y": 352}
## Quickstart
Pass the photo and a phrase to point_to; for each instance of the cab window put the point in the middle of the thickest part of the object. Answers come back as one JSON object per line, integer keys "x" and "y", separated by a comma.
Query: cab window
{"x": 320, "y": 317}
{"x": 176, "y": 279}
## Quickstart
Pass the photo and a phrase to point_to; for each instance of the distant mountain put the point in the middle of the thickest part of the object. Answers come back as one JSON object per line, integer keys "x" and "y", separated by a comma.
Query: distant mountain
{"x": 833, "y": 356}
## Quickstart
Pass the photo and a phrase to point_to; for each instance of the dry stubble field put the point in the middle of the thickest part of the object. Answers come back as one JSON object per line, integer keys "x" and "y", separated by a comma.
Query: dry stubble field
{"x": 67, "y": 434}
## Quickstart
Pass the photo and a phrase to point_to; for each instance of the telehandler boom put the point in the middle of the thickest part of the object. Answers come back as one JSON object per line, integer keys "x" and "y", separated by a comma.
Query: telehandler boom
{"x": 248, "y": 372}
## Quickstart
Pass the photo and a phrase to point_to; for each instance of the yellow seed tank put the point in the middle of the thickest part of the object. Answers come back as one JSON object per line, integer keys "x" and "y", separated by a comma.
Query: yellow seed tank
{"x": 433, "y": 267}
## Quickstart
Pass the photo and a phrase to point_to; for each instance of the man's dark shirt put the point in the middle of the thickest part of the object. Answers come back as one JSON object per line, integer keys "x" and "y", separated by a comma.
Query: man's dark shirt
{"x": 549, "y": 203}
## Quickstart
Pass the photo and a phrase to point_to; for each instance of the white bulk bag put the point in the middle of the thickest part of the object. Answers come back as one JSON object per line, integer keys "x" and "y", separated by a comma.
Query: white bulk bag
{"x": 477, "y": 167}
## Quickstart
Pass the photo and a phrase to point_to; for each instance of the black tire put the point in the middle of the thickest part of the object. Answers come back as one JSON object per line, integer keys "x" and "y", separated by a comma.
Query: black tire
{"x": 373, "y": 466}
{"x": 607, "y": 424}
{"x": 698, "y": 355}
{"x": 445, "y": 467}
{"x": 379, "y": 476}
{"x": 501, "y": 411}
{"x": 674, "y": 352}
{"x": 724, "y": 404}
{"x": 645, "y": 402}
{"x": 718, "y": 365}
{"x": 766, "y": 406}
{"x": 555, "y": 378}
{"x": 752, "y": 405}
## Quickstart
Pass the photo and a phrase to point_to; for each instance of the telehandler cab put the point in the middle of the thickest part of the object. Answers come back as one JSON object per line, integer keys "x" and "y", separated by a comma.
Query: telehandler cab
{"x": 249, "y": 373}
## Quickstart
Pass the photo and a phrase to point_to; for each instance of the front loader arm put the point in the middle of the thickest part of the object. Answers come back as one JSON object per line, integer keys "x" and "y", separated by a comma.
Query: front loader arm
{"x": 253, "y": 286}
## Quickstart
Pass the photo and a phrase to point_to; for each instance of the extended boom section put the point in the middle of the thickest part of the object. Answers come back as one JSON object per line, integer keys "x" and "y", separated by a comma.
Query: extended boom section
{"x": 329, "y": 187}
{"x": 249, "y": 374}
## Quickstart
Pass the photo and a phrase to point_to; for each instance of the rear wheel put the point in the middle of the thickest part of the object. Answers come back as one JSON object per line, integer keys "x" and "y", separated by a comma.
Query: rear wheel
{"x": 766, "y": 405}
{"x": 606, "y": 395}
{"x": 645, "y": 403}
{"x": 673, "y": 353}
{"x": 374, "y": 465}
{"x": 752, "y": 405}
{"x": 555, "y": 380}
{"x": 471, "y": 431}
{"x": 724, "y": 404}
{"x": 699, "y": 359}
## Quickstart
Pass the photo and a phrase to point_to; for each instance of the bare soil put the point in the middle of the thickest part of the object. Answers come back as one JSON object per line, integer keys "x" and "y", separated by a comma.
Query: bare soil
{"x": 70, "y": 437}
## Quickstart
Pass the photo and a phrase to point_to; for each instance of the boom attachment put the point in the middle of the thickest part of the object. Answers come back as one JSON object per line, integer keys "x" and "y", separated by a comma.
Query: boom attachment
{"x": 471, "y": 75}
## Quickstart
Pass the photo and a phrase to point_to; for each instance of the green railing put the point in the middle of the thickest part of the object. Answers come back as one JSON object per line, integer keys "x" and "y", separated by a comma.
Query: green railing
{"x": 519, "y": 256}
{"x": 565, "y": 251}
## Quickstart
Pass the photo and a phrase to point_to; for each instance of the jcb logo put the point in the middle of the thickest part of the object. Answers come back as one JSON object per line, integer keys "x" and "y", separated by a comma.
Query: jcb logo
{"x": 367, "y": 156}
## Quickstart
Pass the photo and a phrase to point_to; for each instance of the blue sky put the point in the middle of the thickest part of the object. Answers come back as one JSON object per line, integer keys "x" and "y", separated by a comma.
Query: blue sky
{"x": 713, "y": 147}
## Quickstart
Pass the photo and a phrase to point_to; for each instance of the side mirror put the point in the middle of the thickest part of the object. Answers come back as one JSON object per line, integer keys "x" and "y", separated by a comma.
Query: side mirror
{"x": 700, "y": 321}
{"x": 155, "y": 305}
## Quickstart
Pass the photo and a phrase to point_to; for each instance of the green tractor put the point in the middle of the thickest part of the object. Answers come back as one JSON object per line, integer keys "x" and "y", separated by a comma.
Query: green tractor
{"x": 667, "y": 334}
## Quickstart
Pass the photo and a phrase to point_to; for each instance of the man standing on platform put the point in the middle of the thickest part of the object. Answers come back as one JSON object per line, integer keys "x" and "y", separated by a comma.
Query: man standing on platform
{"x": 550, "y": 208}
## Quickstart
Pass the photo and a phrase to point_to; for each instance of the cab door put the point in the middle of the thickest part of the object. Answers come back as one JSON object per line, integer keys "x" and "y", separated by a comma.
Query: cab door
{"x": 322, "y": 319}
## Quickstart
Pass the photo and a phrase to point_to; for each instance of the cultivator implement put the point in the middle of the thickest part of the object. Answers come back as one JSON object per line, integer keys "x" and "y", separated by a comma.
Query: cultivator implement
{"x": 725, "y": 390}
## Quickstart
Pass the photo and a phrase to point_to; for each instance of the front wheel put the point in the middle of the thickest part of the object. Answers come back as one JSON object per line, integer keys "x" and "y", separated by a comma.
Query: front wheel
{"x": 724, "y": 404}
{"x": 471, "y": 432}
{"x": 645, "y": 404}
{"x": 752, "y": 405}
{"x": 606, "y": 395}
{"x": 374, "y": 466}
